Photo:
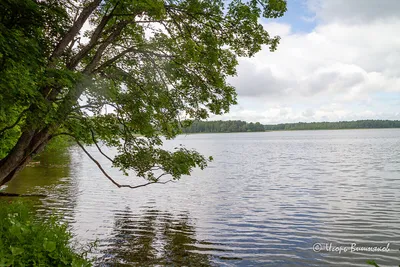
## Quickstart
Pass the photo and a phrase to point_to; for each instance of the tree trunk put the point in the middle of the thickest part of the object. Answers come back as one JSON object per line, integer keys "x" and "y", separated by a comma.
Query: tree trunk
{"x": 32, "y": 140}
{"x": 30, "y": 143}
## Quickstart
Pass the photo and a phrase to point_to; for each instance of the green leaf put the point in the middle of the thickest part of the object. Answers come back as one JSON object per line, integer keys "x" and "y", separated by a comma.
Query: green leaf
{"x": 49, "y": 246}
{"x": 4, "y": 262}
{"x": 373, "y": 263}
{"x": 16, "y": 251}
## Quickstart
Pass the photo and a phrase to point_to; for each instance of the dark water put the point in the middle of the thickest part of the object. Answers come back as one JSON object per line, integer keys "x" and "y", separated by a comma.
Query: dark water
{"x": 265, "y": 200}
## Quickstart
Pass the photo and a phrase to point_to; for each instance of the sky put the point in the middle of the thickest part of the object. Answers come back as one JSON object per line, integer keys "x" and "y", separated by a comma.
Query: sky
{"x": 337, "y": 60}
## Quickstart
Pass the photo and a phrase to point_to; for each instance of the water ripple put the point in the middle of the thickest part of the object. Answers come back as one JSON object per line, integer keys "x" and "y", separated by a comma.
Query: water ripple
{"x": 264, "y": 201}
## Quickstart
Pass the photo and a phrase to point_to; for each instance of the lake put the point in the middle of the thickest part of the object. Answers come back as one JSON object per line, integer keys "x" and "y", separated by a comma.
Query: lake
{"x": 266, "y": 200}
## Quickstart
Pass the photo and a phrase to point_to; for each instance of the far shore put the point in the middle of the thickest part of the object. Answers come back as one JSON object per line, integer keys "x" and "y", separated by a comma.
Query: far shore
{"x": 289, "y": 130}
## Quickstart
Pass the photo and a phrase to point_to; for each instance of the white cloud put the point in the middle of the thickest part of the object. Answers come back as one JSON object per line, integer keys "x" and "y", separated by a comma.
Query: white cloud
{"x": 340, "y": 61}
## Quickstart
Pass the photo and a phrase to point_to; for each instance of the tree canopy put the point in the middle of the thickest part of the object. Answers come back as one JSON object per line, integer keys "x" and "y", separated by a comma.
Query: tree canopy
{"x": 121, "y": 72}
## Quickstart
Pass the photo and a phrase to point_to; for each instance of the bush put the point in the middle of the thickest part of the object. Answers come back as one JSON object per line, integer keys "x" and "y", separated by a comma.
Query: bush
{"x": 26, "y": 240}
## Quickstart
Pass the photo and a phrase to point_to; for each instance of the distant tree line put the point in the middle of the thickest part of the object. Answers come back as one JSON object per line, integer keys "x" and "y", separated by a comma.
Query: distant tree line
{"x": 223, "y": 127}
{"x": 360, "y": 124}
{"x": 242, "y": 126}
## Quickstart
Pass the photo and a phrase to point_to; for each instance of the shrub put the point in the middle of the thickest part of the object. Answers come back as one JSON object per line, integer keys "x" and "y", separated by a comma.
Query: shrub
{"x": 26, "y": 240}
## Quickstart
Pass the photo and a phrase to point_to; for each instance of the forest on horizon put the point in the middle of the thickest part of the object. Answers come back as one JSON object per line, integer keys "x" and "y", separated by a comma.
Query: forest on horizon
{"x": 243, "y": 126}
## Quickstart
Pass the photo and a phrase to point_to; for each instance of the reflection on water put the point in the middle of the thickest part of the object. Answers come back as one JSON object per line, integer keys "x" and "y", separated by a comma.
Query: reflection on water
{"x": 48, "y": 170}
{"x": 49, "y": 174}
{"x": 151, "y": 238}
{"x": 264, "y": 201}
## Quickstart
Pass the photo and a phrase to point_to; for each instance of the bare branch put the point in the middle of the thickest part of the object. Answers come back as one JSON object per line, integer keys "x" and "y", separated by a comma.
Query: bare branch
{"x": 76, "y": 27}
{"x": 93, "y": 41}
{"x": 72, "y": 4}
{"x": 149, "y": 183}
{"x": 96, "y": 58}
{"x": 149, "y": 21}
{"x": 98, "y": 148}
{"x": 156, "y": 181}
{"x": 139, "y": 21}
{"x": 89, "y": 106}
{"x": 130, "y": 50}
{"x": 97, "y": 163}
{"x": 112, "y": 60}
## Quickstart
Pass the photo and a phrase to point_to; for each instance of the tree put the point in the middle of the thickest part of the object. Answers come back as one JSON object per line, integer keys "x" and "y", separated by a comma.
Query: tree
{"x": 120, "y": 72}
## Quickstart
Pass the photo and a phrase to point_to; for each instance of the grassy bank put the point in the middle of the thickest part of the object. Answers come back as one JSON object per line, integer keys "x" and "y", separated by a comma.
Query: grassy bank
{"x": 27, "y": 240}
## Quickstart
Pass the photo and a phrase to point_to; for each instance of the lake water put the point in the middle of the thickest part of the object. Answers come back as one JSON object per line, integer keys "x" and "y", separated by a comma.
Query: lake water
{"x": 265, "y": 200}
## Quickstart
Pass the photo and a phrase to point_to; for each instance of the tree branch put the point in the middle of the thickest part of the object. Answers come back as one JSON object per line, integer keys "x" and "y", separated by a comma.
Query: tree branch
{"x": 149, "y": 183}
{"x": 76, "y": 27}
{"x": 93, "y": 41}
{"x": 89, "y": 106}
{"x": 130, "y": 50}
{"x": 98, "y": 148}
{"x": 112, "y": 60}
{"x": 96, "y": 58}
{"x": 156, "y": 181}
{"x": 96, "y": 162}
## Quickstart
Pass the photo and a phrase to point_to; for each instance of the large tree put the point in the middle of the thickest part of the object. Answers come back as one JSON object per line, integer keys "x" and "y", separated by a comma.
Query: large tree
{"x": 120, "y": 72}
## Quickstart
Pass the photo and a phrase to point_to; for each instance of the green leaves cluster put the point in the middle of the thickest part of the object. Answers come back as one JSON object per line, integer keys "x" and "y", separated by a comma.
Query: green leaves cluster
{"x": 28, "y": 32}
{"x": 26, "y": 240}
{"x": 146, "y": 68}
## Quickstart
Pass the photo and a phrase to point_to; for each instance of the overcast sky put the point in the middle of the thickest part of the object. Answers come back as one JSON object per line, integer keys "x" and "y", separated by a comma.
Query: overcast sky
{"x": 337, "y": 60}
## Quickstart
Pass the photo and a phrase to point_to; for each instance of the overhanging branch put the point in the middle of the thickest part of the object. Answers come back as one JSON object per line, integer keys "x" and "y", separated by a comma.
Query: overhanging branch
{"x": 98, "y": 148}
{"x": 156, "y": 181}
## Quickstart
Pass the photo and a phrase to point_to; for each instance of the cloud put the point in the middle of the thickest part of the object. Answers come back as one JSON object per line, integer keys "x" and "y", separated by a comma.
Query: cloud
{"x": 254, "y": 81}
{"x": 341, "y": 62}
{"x": 308, "y": 113}
{"x": 354, "y": 11}
{"x": 287, "y": 114}
{"x": 335, "y": 79}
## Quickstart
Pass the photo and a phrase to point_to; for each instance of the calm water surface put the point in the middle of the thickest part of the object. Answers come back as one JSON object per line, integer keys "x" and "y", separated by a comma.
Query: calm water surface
{"x": 265, "y": 200}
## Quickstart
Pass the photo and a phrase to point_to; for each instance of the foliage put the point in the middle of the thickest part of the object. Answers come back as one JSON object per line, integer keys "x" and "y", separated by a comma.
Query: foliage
{"x": 144, "y": 68}
{"x": 223, "y": 127}
{"x": 59, "y": 143}
{"x": 23, "y": 50}
{"x": 242, "y": 126}
{"x": 8, "y": 140}
{"x": 28, "y": 241}
{"x": 360, "y": 124}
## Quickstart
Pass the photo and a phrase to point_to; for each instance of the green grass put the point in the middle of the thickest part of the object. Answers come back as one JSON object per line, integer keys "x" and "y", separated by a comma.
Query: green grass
{"x": 26, "y": 240}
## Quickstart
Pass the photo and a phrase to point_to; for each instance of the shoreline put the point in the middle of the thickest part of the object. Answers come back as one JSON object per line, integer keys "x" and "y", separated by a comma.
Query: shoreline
{"x": 294, "y": 130}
